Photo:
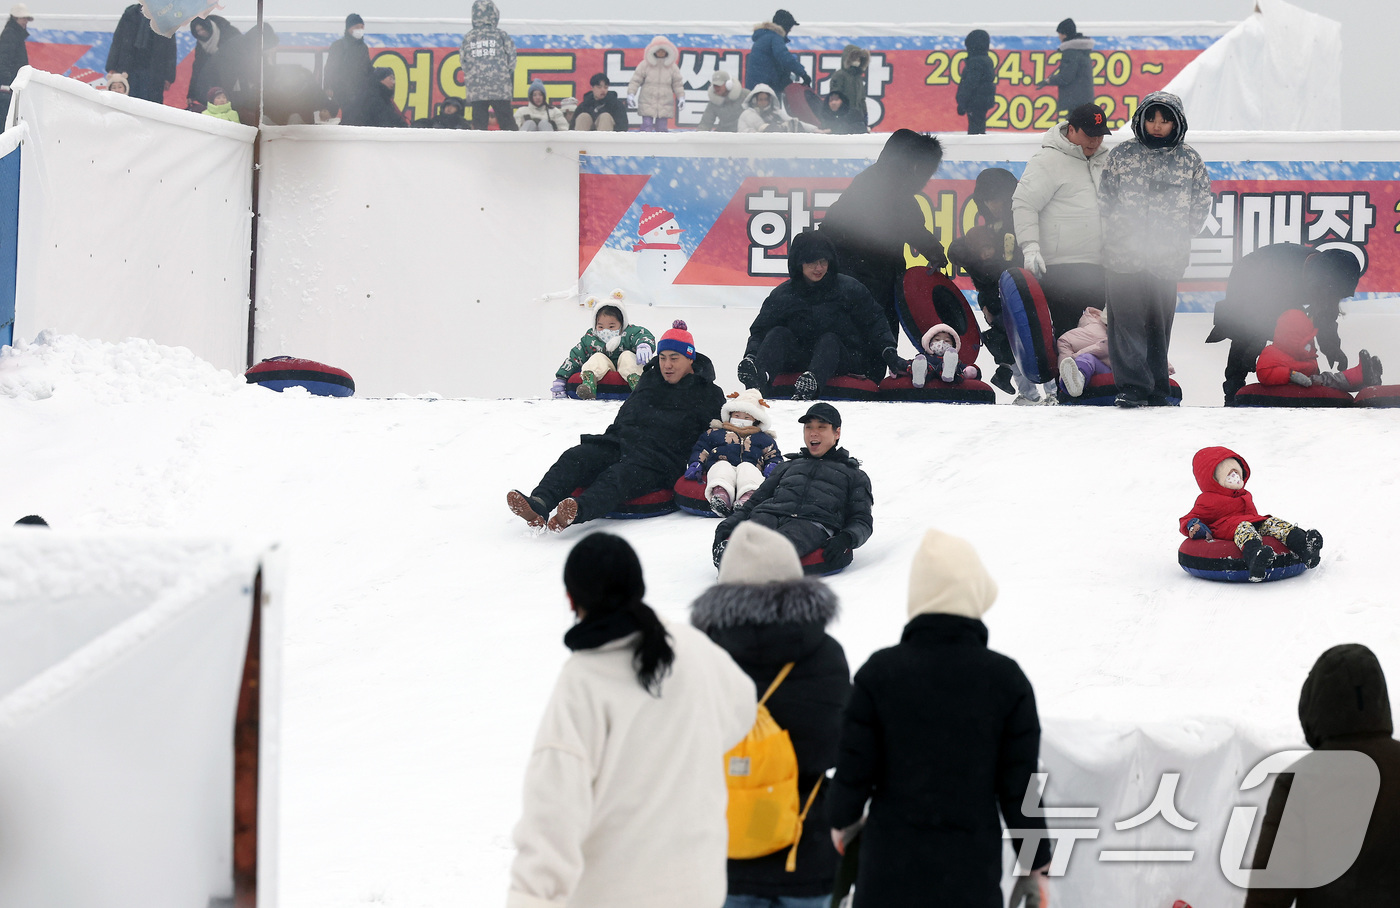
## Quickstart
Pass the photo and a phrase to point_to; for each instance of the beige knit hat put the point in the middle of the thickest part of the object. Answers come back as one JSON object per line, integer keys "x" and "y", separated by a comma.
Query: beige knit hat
{"x": 756, "y": 554}
{"x": 947, "y": 578}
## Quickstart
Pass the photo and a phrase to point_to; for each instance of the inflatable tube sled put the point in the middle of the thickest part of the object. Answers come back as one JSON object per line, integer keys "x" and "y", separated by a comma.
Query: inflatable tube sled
{"x": 610, "y": 387}
{"x": 1028, "y": 327}
{"x": 282, "y": 372}
{"x": 1291, "y": 395}
{"x": 927, "y": 297}
{"x": 1100, "y": 391}
{"x": 935, "y": 391}
{"x": 842, "y": 387}
{"x": 1379, "y": 396}
{"x": 1218, "y": 559}
{"x": 690, "y": 497}
{"x": 801, "y": 102}
{"x": 652, "y": 504}
{"x": 814, "y": 562}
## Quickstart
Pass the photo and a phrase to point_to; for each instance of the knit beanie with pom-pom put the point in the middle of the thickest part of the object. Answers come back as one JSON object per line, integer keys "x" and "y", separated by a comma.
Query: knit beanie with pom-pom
{"x": 679, "y": 340}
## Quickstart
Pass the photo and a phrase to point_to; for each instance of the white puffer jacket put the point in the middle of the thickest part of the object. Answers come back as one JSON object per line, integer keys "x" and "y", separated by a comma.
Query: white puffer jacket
{"x": 625, "y": 795}
{"x": 1057, "y": 201}
{"x": 657, "y": 84}
{"x": 770, "y": 118}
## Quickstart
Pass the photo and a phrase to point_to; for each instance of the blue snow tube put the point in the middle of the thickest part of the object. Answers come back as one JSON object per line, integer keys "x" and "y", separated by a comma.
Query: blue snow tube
{"x": 1028, "y": 325}
{"x": 1219, "y": 559}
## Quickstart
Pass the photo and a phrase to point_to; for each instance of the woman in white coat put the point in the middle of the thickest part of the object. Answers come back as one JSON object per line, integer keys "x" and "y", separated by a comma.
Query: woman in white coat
{"x": 762, "y": 114}
{"x": 625, "y": 794}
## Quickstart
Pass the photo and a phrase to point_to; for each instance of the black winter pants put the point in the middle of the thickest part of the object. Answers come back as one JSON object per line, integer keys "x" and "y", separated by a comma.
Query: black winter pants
{"x": 1141, "y": 308}
{"x": 780, "y": 352}
{"x": 1244, "y": 354}
{"x": 976, "y": 123}
{"x": 804, "y": 535}
{"x": 505, "y": 116}
{"x": 609, "y": 479}
{"x": 1069, "y": 290}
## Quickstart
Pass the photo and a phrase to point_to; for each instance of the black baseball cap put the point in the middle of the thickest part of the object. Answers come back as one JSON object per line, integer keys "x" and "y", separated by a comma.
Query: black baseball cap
{"x": 823, "y": 411}
{"x": 1090, "y": 120}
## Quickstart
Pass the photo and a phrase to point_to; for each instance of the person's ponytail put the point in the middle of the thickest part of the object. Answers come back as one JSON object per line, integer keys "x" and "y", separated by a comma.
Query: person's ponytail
{"x": 653, "y": 656}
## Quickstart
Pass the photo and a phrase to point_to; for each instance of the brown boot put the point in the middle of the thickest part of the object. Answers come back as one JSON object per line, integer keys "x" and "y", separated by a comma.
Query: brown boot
{"x": 563, "y": 515}
{"x": 525, "y": 508}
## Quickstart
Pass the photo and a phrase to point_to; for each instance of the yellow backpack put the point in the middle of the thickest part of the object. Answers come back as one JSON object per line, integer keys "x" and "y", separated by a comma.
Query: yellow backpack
{"x": 761, "y": 772}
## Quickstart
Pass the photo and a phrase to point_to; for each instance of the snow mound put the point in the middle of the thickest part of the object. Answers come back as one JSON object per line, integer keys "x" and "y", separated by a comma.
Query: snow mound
{"x": 134, "y": 369}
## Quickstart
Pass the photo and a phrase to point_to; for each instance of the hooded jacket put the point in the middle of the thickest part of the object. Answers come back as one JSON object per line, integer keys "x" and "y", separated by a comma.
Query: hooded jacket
{"x": 837, "y": 304}
{"x": 488, "y": 57}
{"x": 947, "y": 332}
{"x": 657, "y": 83}
{"x": 1344, "y": 706}
{"x": 852, "y": 81}
{"x": 216, "y": 61}
{"x": 844, "y": 122}
{"x": 444, "y": 120}
{"x": 659, "y": 421}
{"x": 1219, "y": 508}
{"x": 770, "y": 61}
{"x": 831, "y": 490}
{"x": 977, "y": 91}
{"x": 1075, "y": 76}
{"x": 735, "y": 445}
{"x": 376, "y": 107}
{"x": 1090, "y": 337}
{"x": 611, "y": 104}
{"x": 1056, "y": 203}
{"x": 540, "y": 112}
{"x": 723, "y": 111}
{"x": 770, "y": 118}
{"x": 347, "y": 71}
{"x": 940, "y": 733}
{"x": 1154, "y": 199}
{"x": 1292, "y": 351}
{"x": 763, "y": 626}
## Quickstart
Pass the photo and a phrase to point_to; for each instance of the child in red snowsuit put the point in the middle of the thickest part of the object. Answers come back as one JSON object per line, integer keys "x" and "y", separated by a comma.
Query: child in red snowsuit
{"x": 1292, "y": 357}
{"x": 1225, "y": 510}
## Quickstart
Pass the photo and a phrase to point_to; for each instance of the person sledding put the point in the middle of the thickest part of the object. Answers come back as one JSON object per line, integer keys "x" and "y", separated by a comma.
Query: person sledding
{"x": 939, "y": 359}
{"x": 1292, "y": 358}
{"x": 736, "y": 453}
{"x": 819, "y": 322}
{"x": 820, "y": 498}
{"x": 642, "y": 451}
{"x": 611, "y": 344}
{"x": 1224, "y": 510}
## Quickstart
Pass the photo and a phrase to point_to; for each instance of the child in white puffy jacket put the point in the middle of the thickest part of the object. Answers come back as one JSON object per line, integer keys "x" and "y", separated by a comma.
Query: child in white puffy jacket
{"x": 656, "y": 90}
{"x": 939, "y": 358}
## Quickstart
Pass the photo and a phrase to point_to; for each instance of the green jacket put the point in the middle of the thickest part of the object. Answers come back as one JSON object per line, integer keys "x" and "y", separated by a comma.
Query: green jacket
{"x": 851, "y": 81}
{"x": 632, "y": 337}
{"x": 222, "y": 111}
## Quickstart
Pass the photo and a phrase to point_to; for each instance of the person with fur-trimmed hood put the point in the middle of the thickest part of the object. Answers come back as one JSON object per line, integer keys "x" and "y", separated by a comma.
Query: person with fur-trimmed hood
{"x": 977, "y": 92}
{"x": 736, "y": 453}
{"x": 1074, "y": 79}
{"x": 1154, "y": 194}
{"x": 1292, "y": 358}
{"x": 766, "y": 614}
{"x": 940, "y": 732}
{"x": 769, "y": 61}
{"x": 877, "y": 215}
{"x": 1225, "y": 510}
{"x": 939, "y": 359}
{"x": 656, "y": 90}
{"x": 762, "y": 113}
{"x": 851, "y": 81}
{"x": 726, "y": 104}
{"x": 488, "y": 68}
{"x": 819, "y": 498}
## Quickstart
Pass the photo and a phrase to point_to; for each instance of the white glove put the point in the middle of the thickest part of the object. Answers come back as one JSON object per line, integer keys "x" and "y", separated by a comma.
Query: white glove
{"x": 1034, "y": 263}
{"x": 631, "y": 102}
{"x": 1033, "y": 890}
{"x": 643, "y": 354}
{"x": 680, "y": 103}
{"x": 1299, "y": 378}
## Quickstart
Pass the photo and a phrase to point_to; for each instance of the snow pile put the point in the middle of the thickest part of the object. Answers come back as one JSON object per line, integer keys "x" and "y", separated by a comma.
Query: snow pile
{"x": 134, "y": 369}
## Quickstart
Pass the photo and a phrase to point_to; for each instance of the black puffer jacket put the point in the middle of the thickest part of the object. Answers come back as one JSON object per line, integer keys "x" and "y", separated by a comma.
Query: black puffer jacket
{"x": 659, "y": 422}
{"x": 611, "y": 104}
{"x": 219, "y": 69}
{"x": 1344, "y": 706}
{"x": 831, "y": 490}
{"x": 376, "y": 108}
{"x": 347, "y": 72}
{"x": 977, "y": 91}
{"x": 1075, "y": 75}
{"x": 763, "y": 627}
{"x": 14, "y": 53}
{"x": 837, "y": 304}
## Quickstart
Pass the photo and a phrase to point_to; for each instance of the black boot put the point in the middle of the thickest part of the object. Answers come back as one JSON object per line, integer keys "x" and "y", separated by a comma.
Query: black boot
{"x": 1002, "y": 379}
{"x": 1306, "y": 544}
{"x": 1259, "y": 557}
{"x": 747, "y": 371}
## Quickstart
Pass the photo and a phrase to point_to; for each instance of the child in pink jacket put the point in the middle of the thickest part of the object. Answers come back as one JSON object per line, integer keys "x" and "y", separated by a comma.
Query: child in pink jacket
{"x": 939, "y": 358}
{"x": 1084, "y": 351}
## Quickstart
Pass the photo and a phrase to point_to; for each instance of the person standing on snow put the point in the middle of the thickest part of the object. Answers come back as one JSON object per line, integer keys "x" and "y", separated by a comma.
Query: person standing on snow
{"x": 348, "y": 68}
{"x": 939, "y": 733}
{"x": 765, "y": 614}
{"x": 148, "y": 59}
{"x": 1154, "y": 194}
{"x": 769, "y": 61}
{"x": 1074, "y": 78}
{"x": 488, "y": 68}
{"x": 625, "y": 792}
{"x": 14, "y": 53}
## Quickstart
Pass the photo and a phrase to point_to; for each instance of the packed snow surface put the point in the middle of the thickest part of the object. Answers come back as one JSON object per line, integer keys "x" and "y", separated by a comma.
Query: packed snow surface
{"x": 424, "y": 620}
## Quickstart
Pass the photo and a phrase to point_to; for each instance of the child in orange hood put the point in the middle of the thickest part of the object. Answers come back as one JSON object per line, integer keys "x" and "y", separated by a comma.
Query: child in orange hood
{"x": 1225, "y": 510}
{"x": 1292, "y": 357}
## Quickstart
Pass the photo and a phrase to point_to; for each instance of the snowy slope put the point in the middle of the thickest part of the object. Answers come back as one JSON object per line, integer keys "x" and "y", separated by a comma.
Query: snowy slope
{"x": 425, "y": 624}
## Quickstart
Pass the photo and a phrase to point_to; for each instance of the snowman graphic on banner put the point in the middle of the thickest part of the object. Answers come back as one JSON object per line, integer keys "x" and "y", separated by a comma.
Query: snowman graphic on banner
{"x": 659, "y": 254}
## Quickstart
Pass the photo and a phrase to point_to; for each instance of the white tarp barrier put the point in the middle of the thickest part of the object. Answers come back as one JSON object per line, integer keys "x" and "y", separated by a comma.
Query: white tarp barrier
{"x": 121, "y": 661}
{"x": 136, "y": 220}
{"x": 1280, "y": 69}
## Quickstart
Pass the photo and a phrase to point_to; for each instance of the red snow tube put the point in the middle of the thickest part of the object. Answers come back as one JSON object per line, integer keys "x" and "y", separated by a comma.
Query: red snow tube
{"x": 652, "y": 504}
{"x": 967, "y": 391}
{"x": 1291, "y": 395}
{"x": 1101, "y": 390}
{"x": 690, "y": 497}
{"x": 282, "y": 372}
{"x": 801, "y": 102}
{"x": 610, "y": 387}
{"x": 1379, "y": 396}
{"x": 928, "y": 297}
{"x": 814, "y": 562}
{"x": 1219, "y": 559}
{"x": 842, "y": 387}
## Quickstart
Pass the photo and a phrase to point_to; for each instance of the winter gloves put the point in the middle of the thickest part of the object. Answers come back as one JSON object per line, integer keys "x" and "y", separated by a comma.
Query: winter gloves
{"x": 631, "y": 102}
{"x": 556, "y": 389}
{"x": 680, "y": 104}
{"x": 897, "y": 364}
{"x": 837, "y": 550}
{"x": 693, "y": 471}
{"x": 1034, "y": 263}
{"x": 644, "y": 354}
{"x": 1196, "y": 529}
{"x": 1299, "y": 378}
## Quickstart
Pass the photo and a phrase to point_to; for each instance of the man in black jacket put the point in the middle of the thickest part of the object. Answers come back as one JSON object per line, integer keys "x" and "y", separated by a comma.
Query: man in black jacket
{"x": 645, "y": 448}
{"x": 601, "y": 110}
{"x": 218, "y": 58}
{"x": 14, "y": 53}
{"x": 819, "y": 321}
{"x": 1074, "y": 79}
{"x": 347, "y": 75}
{"x": 819, "y": 498}
{"x": 377, "y": 107}
{"x": 148, "y": 59}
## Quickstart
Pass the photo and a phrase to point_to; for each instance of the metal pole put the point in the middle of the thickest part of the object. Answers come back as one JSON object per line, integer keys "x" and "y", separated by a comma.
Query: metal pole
{"x": 257, "y": 171}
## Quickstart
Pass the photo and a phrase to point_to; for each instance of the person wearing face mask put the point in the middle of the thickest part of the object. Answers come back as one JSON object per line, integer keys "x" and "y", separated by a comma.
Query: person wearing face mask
{"x": 1292, "y": 359}
{"x": 939, "y": 358}
{"x": 348, "y": 67}
{"x": 610, "y": 345}
{"x": 1224, "y": 510}
{"x": 216, "y": 59}
{"x": 736, "y": 453}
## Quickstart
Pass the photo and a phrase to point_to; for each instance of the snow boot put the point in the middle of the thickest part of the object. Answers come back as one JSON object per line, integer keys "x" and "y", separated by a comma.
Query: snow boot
{"x": 718, "y": 498}
{"x": 806, "y": 387}
{"x": 530, "y": 510}
{"x": 748, "y": 372}
{"x": 633, "y": 379}
{"x": 1370, "y": 370}
{"x": 588, "y": 386}
{"x": 950, "y": 367}
{"x": 1131, "y": 402}
{"x": 1258, "y": 556}
{"x": 1072, "y": 377}
{"x": 918, "y": 370}
{"x": 1002, "y": 379}
{"x": 1050, "y": 395}
{"x": 1306, "y": 544}
{"x": 743, "y": 499}
{"x": 564, "y": 515}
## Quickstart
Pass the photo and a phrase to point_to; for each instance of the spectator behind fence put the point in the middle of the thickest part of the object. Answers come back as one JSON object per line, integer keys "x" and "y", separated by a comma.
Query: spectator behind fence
{"x": 378, "y": 107}
{"x": 348, "y": 68}
{"x": 451, "y": 114}
{"x": 216, "y": 59}
{"x": 762, "y": 114}
{"x": 839, "y": 117}
{"x": 1074, "y": 79}
{"x": 625, "y": 795}
{"x": 535, "y": 115}
{"x": 219, "y": 106}
{"x": 14, "y": 53}
{"x": 769, "y": 61}
{"x": 851, "y": 81}
{"x": 292, "y": 91}
{"x": 601, "y": 110}
{"x": 488, "y": 68}
{"x": 977, "y": 92}
{"x": 726, "y": 103}
{"x": 118, "y": 84}
{"x": 657, "y": 90}
{"x": 148, "y": 59}
{"x": 939, "y": 733}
